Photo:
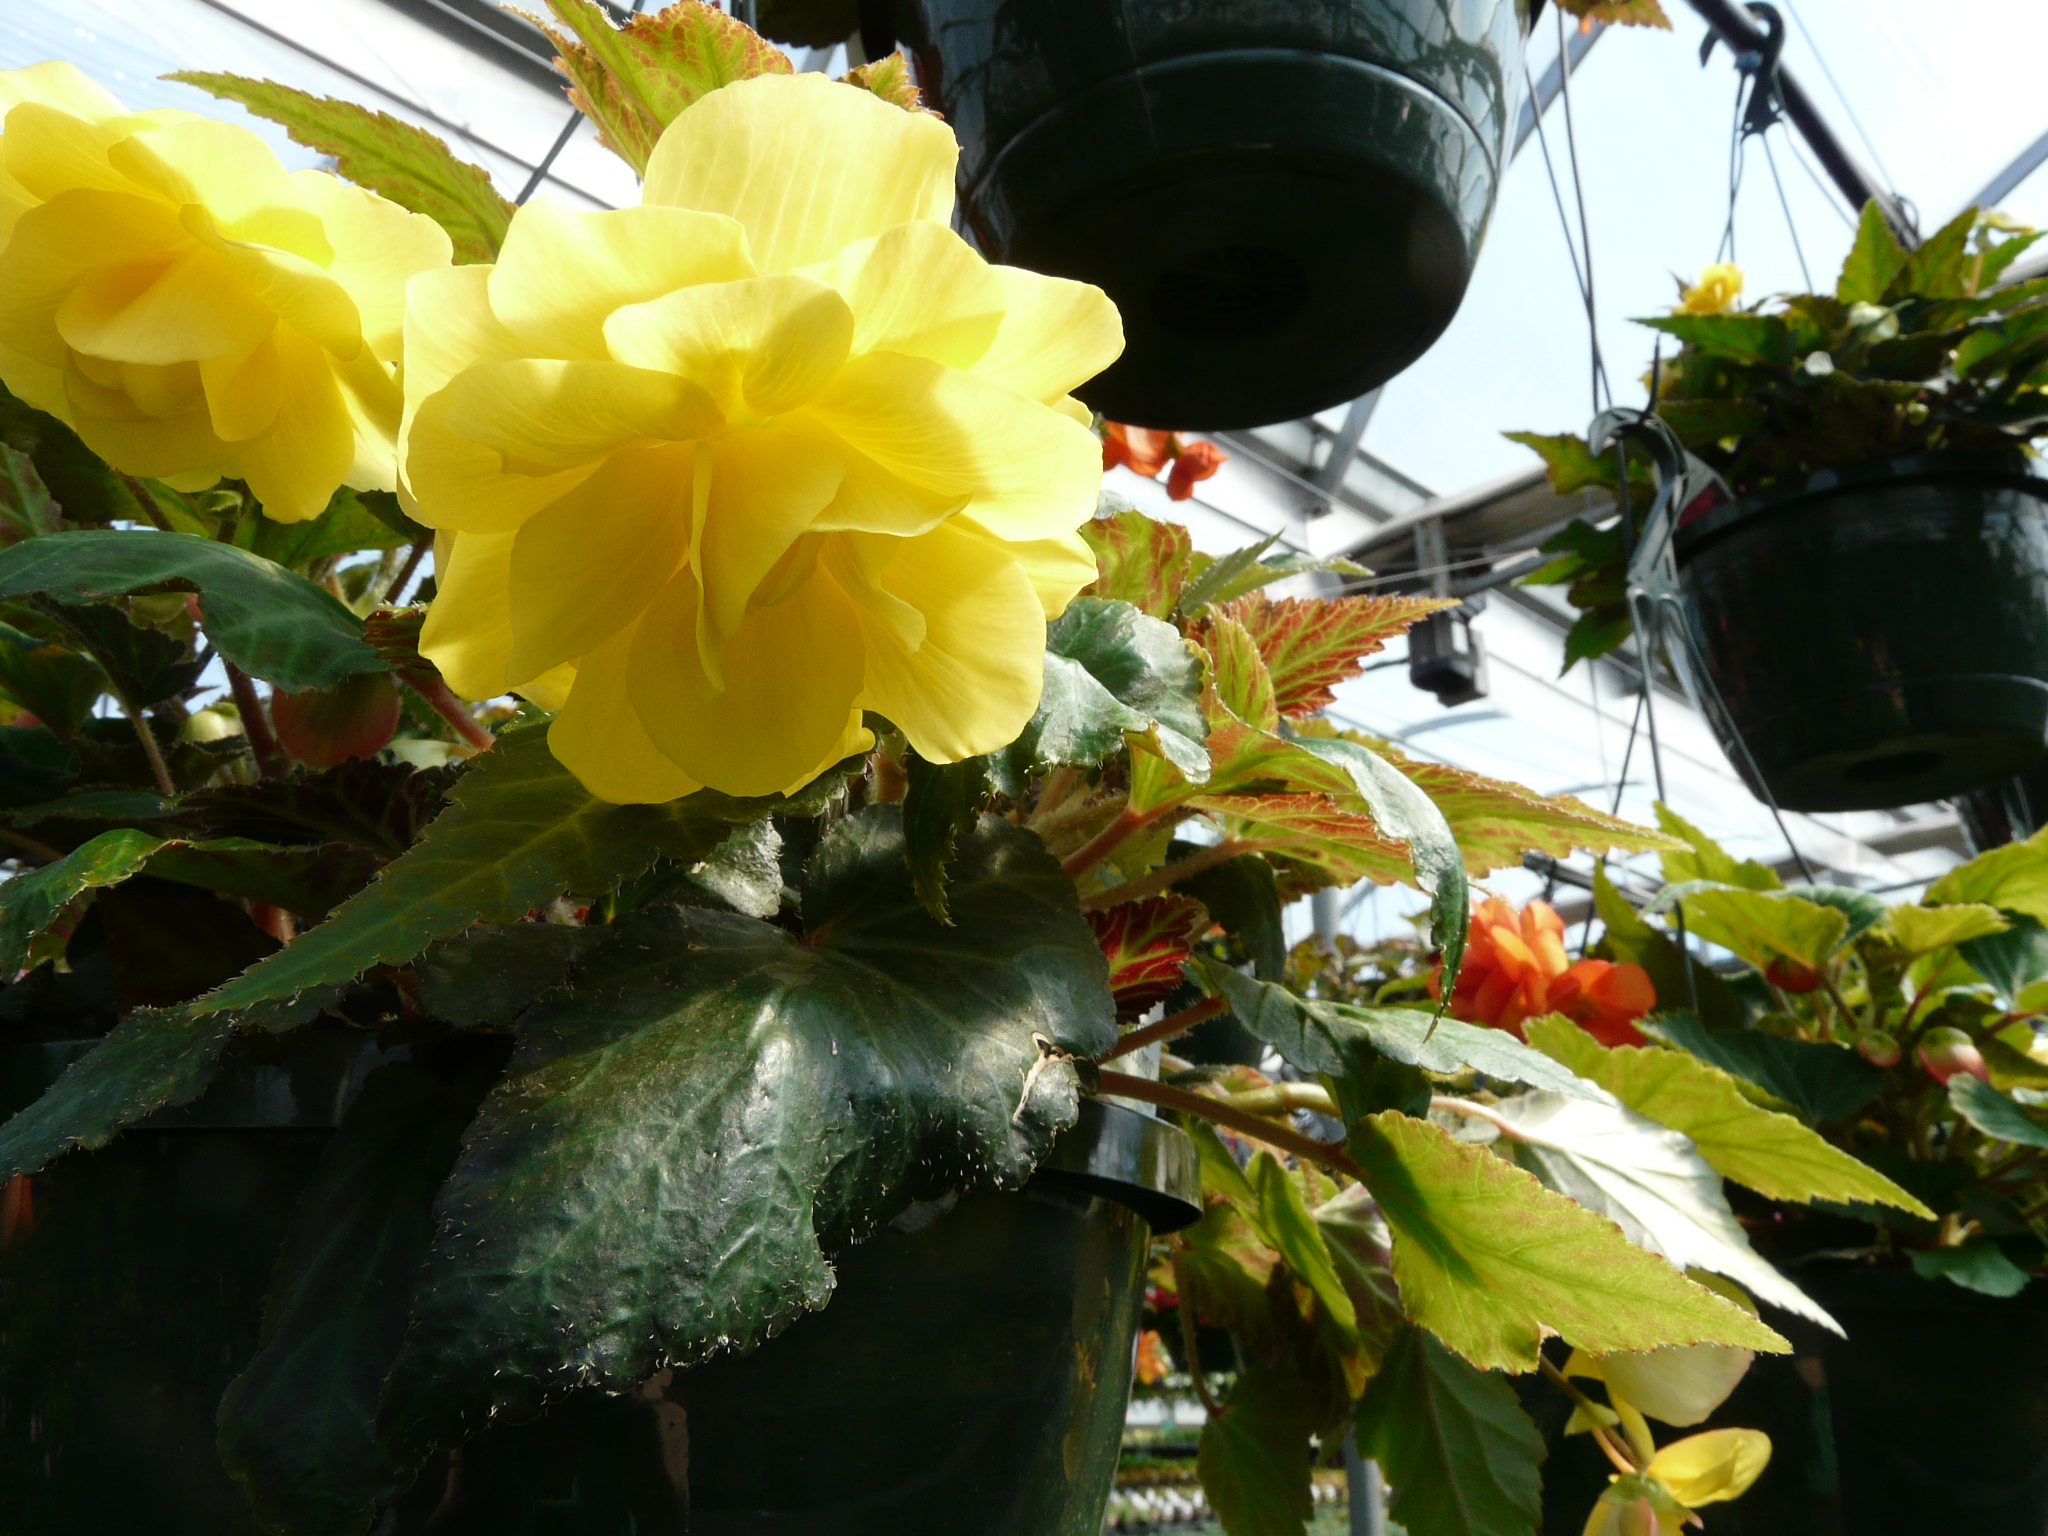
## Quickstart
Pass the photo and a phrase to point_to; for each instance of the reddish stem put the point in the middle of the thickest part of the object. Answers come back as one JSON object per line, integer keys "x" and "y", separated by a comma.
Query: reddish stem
{"x": 1103, "y": 843}
{"x": 1173, "y": 1024}
{"x": 1329, "y": 1153}
{"x": 429, "y": 686}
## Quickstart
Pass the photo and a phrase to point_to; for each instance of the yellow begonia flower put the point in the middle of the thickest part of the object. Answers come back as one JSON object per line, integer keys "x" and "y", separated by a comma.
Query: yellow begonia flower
{"x": 1701, "y": 1469}
{"x": 1720, "y": 285}
{"x": 190, "y": 307}
{"x": 719, "y": 472}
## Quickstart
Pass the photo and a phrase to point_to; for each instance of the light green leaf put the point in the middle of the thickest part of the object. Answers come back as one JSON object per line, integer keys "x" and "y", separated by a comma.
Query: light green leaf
{"x": 1993, "y": 1113}
{"x": 1488, "y": 1260}
{"x": 1650, "y": 1180}
{"x": 1707, "y": 860}
{"x": 1763, "y": 926}
{"x": 2014, "y": 876}
{"x": 408, "y": 165}
{"x": 1462, "y": 1456}
{"x": 1285, "y": 1218}
{"x": 1772, "y": 1154}
{"x": 1977, "y": 1265}
{"x": 1922, "y": 930}
{"x": 1254, "y": 1458}
{"x": 1223, "y": 577}
{"x": 518, "y": 832}
{"x": 1343, "y": 1041}
{"x": 269, "y": 622}
{"x": 619, "y": 1204}
{"x": 2015, "y": 961}
{"x": 1874, "y": 260}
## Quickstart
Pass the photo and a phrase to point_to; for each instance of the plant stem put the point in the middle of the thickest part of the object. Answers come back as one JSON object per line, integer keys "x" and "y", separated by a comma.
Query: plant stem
{"x": 412, "y": 563}
{"x": 273, "y": 920}
{"x": 1185, "y": 1306}
{"x": 1164, "y": 877}
{"x": 1475, "y": 1112}
{"x": 271, "y": 762}
{"x": 1329, "y": 1153}
{"x": 157, "y": 767}
{"x": 34, "y": 848}
{"x": 1103, "y": 843}
{"x": 147, "y": 502}
{"x": 1279, "y": 1098}
{"x": 1165, "y": 1029}
{"x": 429, "y": 686}
{"x": 1622, "y": 1463}
{"x": 1054, "y": 791}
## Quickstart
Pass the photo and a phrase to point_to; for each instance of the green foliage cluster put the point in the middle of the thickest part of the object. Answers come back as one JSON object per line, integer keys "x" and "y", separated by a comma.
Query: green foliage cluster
{"x": 1915, "y": 352}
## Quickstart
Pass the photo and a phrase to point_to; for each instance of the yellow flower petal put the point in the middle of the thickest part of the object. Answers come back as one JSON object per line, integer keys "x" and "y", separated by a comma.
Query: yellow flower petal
{"x": 791, "y": 675}
{"x": 378, "y": 248}
{"x": 507, "y": 437}
{"x": 1058, "y": 567}
{"x": 599, "y": 738}
{"x": 449, "y": 324}
{"x": 57, "y": 83}
{"x": 57, "y": 245}
{"x": 973, "y": 683}
{"x": 181, "y": 311}
{"x": 766, "y": 489}
{"x": 51, "y": 151}
{"x": 1026, "y": 471}
{"x": 243, "y": 390}
{"x": 1678, "y": 1385}
{"x": 468, "y": 632}
{"x": 564, "y": 269}
{"x": 232, "y": 174}
{"x": 760, "y": 346}
{"x": 590, "y": 564}
{"x": 116, "y": 429}
{"x": 1057, "y": 334}
{"x": 871, "y": 500}
{"x": 295, "y": 466}
{"x": 921, "y": 290}
{"x": 808, "y": 166}
{"x": 291, "y": 288}
{"x": 1711, "y": 1467}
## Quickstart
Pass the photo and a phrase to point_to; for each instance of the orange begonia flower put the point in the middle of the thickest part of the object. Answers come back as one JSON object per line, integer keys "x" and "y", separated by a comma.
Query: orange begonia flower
{"x": 1516, "y": 969}
{"x": 1196, "y": 461}
{"x": 1139, "y": 449}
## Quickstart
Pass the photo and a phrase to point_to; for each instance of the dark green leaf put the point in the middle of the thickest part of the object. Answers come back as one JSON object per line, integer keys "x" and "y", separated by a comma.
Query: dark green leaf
{"x": 493, "y": 973}
{"x": 1109, "y": 669}
{"x": 1596, "y": 632}
{"x": 1864, "y": 910}
{"x": 26, "y": 506}
{"x": 1823, "y": 1082}
{"x": 168, "y": 943}
{"x": 1741, "y": 338}
{"x": 1939, "y": 267}
{"x": 1284, "y": 1215}
{"x": 1345, "y": 1042}
{"x": 519, "y": 831}
{"x": 350, "y": 523}
{"x": 380, "y": 806}
{"x": 297, "y": 1426}
{"x": 1874, "y": 260}
{"x": 1254, "y": 1459}
{"x": 57, "y": 686}
{"x": 1462, "y": 1456}
{"x": 2004, "y": 254}
{"x": 89, "y": 805}
{"x": 1976, "y": 1265}
{"x": 2012, "y": 959}
{"x": 269, "y": 622}
{"x": 34, "y": 764}
{"x": 87, "y": 490}
{"x": 1994, "y": 1113}
{"x": 144, "y": 666}
{"x": 376, "y": 150}
{"x": 942, "y": 805}
{"x": 1244, "y": 898}
{"x": 152, "y": 1060}
{"x": 744, "y": 871}
{"x": 32, "y": 902}
{"x": 308, "y": 881}
{"x": 619, "y": 1205}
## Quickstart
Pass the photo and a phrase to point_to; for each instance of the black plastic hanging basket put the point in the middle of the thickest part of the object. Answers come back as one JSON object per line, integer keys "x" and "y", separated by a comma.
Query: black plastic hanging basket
{"x": 1878, "y": 636}
{"x": 1285, "y": 201}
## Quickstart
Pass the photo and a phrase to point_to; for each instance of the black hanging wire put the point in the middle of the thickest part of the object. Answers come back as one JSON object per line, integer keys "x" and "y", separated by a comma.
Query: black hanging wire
{"x": 1791, "y": 226}
{"x": 1581, "y": 272}
{"x": 1602, "y": 393}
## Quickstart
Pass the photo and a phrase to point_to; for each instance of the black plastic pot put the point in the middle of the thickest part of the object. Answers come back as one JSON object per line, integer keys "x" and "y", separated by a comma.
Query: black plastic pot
{"x": 969, "y": 1376}
{"x": 1285, "y": 201}
{"x": 1930, "y": 1418}
{"x": 1877, "y": 637}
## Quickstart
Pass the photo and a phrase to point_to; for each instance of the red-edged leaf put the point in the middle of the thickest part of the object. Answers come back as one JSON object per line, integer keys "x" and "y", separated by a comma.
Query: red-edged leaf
{"x": 636, "y": 80}
{"x": 1314, "y": 830}
{"x": 1147, "y": 942}
{"x": 889, "y": 78}
{"x": 1310, "y": 645}
{"x": 1143, "y": 562}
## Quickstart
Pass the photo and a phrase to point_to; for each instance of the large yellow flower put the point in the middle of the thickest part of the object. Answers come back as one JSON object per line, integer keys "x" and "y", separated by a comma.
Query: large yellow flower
{"x": 774, "y": 447}
{"x": 192, "y": 308}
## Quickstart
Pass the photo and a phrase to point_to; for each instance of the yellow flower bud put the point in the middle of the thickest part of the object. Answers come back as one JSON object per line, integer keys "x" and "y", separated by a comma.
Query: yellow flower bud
{"x": 1712, "y": 1467}
{"x": 719, "y": 472}
{"x": 1720, "y": 285}
{"x": 190, "y": 307}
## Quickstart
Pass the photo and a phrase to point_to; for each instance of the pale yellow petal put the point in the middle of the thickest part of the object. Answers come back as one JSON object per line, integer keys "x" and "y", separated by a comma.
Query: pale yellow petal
{"x": 1024, "y": 471}
{"x": 244, "y": 389}
{"x": 468, "y": 631}
{"x": 760, "y": 346}
{"x": 57, "y": 246}
{"x": 378, "y": 249}
{"x": 870, "y": 499}
{"x": 57, "y": 83}
{"x": 974, "y": 682}
{"x": 230, "y": 172}
{"x": 374, "y": 403}
{"x": 564, "y": 269}
{"x": 590, "y": 564}
{"x": 551, "y": 689}
{"x": 188, "y": 308}
{"x": 921, "y": 290}
{"x": 766, "y": 489}
{"x": 807, "y": 165}
{"x": 1057, "y": 334}
{"x": 296, "y": 466}
{"x": 1708, "y": 1468}
{"x": 38, "y": 383}
{"x": 1073, "y": 410}
{"x": 449, "y": 324}
{"x": 505, "y": 438}
{"x": 50, "y": 151}
{"x": 1058, "y": 567}
{"x": 132, "y": 440}
{"x": 600, "y": 739}
{"x": 792, "y": 674}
